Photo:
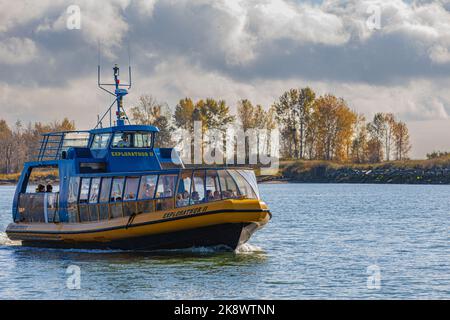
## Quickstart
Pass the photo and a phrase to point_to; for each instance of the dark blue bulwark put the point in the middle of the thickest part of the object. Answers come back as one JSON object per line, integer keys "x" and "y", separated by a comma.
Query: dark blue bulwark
{"x": 75, "y": 160}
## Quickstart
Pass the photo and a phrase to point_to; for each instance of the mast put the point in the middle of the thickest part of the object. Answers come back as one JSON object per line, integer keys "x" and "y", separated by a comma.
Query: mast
{"x": 118, "y": 93}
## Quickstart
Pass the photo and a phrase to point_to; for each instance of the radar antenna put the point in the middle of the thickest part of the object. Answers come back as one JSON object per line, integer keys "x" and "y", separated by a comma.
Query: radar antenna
{"x": 118, "y": 93}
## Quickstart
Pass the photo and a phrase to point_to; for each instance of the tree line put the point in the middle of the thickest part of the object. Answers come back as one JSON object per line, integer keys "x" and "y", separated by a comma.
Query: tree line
{"x": 311, "y": 127}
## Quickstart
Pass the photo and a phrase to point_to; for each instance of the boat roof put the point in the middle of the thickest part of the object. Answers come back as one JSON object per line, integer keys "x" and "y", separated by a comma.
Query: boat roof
{"x": 130, "y": 127}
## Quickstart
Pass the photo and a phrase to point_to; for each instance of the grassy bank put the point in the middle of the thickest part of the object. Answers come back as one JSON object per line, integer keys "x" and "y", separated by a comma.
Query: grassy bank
{"x": 43, "y": 176}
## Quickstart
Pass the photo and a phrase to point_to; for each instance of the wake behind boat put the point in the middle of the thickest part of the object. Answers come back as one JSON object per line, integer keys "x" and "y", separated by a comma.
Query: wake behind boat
{"x": 118, "y": 190}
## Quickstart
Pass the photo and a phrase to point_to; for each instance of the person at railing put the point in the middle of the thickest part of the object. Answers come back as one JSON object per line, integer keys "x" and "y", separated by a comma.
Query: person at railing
{"x": 40, "y": 188}
{"x": 49, "y": 188}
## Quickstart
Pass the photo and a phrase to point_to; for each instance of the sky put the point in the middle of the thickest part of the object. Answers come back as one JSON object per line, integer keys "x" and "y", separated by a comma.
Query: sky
{"x": 380, "y": 56}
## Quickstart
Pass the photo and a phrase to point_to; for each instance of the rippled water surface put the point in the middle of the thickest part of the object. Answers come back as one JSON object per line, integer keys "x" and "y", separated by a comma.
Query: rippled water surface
{"x": 319, "y": 244}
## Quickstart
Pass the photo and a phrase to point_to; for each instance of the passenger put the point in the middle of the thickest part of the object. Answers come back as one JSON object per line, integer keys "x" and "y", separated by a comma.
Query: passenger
{"x": 167, "y": 193}
{"x": 216, "y": 195}
{"x": 40, "y": 188}
{"x": 226, "y": 194}
{"x": 180, "y": 200}
{"x": 209, "y": 196}
{"x": 49, "y": 188}
{"x": 124, "y": 142}
{"x": 130, "y": 196}
{"x": 195, "y": 197}
{"x": 149, "y": 191}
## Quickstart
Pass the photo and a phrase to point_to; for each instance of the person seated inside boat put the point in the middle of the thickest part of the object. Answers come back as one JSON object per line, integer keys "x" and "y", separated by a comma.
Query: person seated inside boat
{"x": 180, "y": 200}
{"x": 209, "y": 196}
{"x": 149, "y": 191}
{"x": 226, "y": 194}
{"x": 195, "y": 197}
{"x": 40, "y": 188}
{"x": 49, "y": 188}
{"x": 167, "y": 194}
{"x": 124, "y": 142}
{"x": 216, "y": 195}
{"x": 130, "y": 196}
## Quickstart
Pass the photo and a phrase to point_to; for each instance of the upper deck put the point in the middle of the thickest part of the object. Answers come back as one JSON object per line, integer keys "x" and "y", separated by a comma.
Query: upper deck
{"x": 111, "y": 149}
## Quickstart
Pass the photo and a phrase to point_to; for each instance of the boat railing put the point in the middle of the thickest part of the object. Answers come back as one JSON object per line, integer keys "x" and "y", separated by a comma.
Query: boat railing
{"x": 38, "y": 207}
{"x": 53, "y": 144}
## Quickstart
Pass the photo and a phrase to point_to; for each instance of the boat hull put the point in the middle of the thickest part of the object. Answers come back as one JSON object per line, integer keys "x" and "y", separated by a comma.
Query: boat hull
{"x": 227, "y": 223}
{"x": 229, "y": 236}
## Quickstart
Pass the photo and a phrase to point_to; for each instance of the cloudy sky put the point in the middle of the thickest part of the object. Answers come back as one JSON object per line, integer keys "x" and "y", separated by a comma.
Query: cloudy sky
{"x": 231, "y": 49}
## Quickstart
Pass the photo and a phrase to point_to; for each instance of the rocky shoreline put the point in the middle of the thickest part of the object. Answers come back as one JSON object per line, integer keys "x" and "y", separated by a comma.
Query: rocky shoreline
{"x": 323, "y": 174}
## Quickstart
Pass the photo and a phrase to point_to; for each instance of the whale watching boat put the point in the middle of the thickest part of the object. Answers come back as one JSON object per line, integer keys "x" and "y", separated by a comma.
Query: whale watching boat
{"x": 118, "y": 190}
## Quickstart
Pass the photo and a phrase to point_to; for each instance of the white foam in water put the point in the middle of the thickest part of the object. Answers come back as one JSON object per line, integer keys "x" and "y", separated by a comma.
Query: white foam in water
{"x": 248, "y": 248}
{"x": 5, "y": 241}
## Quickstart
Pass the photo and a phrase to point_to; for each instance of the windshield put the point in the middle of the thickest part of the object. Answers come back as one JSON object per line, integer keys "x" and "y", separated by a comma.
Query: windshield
{"x": 132, "y": 140}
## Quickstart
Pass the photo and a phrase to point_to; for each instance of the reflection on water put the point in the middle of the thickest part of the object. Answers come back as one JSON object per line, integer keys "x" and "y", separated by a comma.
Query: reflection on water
{"x": 319, "y": 244}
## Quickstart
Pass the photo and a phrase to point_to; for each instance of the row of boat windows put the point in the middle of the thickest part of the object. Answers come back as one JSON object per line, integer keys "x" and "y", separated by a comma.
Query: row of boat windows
{"x": 123, "y": 140}
{"x": 188, "y": 188}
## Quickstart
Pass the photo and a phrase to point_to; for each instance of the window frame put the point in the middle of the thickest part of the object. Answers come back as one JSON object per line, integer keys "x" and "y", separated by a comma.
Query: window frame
{"x": 109, "y": 134}
{"x": 81, "y": 188}
{"x": 98, "y": 190}
{"x": 141, "y": 181}
{"x": 174, "y": 185}
{"x": 137, "y": 188}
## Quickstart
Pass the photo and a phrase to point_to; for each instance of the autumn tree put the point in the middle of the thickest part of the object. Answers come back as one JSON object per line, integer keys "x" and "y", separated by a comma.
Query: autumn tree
{"x": 359, "y": 144}
{"x": 151, "y": 112}
{"x": 335, "y": 124}
{"x": 293, "y": 109}
{"x": 377, "y": 132}
{"x": 401, "y": 141}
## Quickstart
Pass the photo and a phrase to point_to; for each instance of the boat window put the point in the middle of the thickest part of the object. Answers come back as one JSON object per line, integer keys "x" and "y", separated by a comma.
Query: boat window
{"x": 249, "y": 176}
{"x": 142, "y": 140}
{"x": 84, "y": 191}
{"x": 166, "y": 186}
{"x": 95, "y": 187}
{"x": 244, "y": 187}
{"x": 74, "y": 184}
{"x": 122, "y": 140}
{"x": 100, "y": 141}
{"x": 131, "y": 188}
{"x": 104, "y": 193}
{"x": 117, "y": 189}
{"x": 148, "y": 187}
{"x": 184, "y": 189}
{"x": 198, "y": 190}
{"x": 227, "y": 184}
{"x": 72, "y": 197}
{"x": 212, "y": 186}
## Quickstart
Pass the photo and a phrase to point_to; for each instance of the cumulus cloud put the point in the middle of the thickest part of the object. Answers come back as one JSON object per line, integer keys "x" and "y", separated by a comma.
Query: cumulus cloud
{"x": 14, "y": 51}
{"x": 228, "y": 49}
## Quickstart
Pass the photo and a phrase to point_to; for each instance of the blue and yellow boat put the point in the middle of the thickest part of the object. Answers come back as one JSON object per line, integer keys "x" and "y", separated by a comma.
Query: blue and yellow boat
{"x": 118, "y": 190}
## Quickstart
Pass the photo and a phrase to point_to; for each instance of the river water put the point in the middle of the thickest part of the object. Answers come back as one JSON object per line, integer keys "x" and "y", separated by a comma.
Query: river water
{"x": 325, "y": 241}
